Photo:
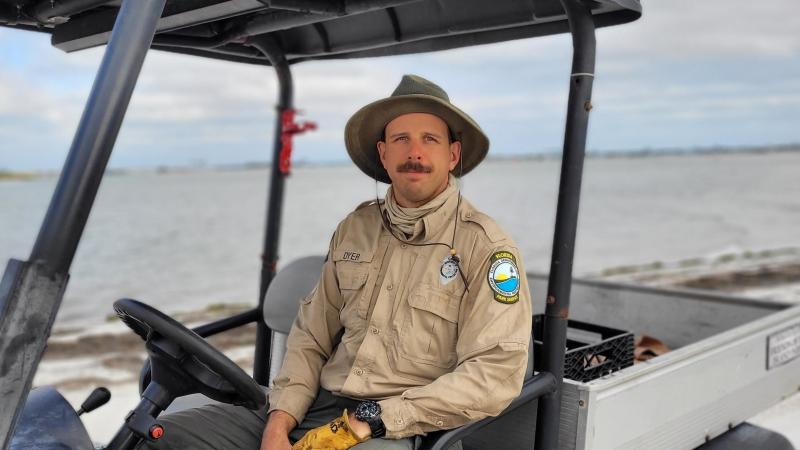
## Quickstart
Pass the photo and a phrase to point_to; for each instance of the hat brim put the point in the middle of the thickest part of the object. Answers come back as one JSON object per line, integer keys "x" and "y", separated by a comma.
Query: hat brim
{"x": 365, "y": 127}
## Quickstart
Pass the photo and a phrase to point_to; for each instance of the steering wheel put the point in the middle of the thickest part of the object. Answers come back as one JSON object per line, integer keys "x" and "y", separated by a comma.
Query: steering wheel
{"x": 184, "y": 363}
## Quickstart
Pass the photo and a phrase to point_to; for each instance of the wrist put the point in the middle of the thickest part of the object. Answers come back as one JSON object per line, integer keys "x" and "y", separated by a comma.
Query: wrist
{"x": 360, "y": 428}
{"x": 280, "y": 421}
{"x": 369, "y": 412}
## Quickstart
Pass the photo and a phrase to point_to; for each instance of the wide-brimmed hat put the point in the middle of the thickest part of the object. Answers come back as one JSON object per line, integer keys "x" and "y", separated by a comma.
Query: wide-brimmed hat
{"x": 414, "y": 94}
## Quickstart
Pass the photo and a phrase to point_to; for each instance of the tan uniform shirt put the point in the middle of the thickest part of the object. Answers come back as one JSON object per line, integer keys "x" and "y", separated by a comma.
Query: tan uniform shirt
{"x": 388, "y": 322}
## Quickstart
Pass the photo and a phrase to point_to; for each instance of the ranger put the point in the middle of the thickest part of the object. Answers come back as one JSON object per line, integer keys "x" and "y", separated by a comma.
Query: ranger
{"x": 422, "y": 316}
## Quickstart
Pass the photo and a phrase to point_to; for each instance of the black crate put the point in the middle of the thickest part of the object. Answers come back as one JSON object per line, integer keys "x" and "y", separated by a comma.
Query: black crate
{"x": 592, "y": 350}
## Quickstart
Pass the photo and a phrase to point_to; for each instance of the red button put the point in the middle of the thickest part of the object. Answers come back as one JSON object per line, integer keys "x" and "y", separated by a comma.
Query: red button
{"x": 156, "y": 431}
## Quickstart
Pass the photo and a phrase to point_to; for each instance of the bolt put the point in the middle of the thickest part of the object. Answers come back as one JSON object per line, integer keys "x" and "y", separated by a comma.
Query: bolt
{"x": 581, "y": 403}
{"x": 587, "y": 106}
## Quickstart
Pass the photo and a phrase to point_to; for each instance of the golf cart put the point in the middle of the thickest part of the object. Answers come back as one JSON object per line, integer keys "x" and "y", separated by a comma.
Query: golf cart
{"x": 732, "y": 357}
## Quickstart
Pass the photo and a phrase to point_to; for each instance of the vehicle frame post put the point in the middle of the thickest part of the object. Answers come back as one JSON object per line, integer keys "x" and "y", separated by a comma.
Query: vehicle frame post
{"x": 31, "y": 292}
{"x": 582, "y": 29}
{"x": 277, "y": 181}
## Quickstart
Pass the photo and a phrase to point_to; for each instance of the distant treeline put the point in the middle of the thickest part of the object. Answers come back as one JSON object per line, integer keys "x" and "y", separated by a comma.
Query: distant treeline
{"x": 8, "y": 175}
{"x": 646, "y": 152}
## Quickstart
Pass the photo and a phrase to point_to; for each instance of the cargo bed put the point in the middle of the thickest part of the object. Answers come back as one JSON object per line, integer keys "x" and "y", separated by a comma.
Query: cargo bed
{"x": 718, "y": 374}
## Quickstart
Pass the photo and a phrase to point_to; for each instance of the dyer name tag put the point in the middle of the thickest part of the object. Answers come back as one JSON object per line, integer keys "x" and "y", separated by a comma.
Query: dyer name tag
{"x": 783, "y": 347}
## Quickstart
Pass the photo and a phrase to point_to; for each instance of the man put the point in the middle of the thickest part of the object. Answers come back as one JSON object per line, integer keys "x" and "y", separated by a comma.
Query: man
{"x": 422, "y": 315}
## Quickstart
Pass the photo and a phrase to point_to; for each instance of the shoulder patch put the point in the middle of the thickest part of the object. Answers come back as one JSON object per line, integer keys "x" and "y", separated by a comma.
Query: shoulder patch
{"x": 503, "y": 277}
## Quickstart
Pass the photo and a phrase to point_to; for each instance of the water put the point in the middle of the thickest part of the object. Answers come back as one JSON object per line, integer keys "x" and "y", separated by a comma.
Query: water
{"x": 183, "y": 240}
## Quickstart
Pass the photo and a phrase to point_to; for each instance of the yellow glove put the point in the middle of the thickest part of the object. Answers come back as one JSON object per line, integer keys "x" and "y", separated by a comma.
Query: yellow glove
{"x": 336, "y": 435}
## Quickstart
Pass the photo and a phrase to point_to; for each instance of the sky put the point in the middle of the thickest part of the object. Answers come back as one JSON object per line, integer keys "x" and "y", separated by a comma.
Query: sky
{"x": 689, "y": 74}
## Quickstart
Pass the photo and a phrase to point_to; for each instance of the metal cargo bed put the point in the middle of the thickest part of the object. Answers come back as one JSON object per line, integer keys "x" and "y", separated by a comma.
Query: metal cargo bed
{"x": 715, "y": 377}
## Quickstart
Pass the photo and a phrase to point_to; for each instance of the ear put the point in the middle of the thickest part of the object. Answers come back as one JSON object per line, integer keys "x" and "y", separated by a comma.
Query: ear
{"x": 382, "y": 152}
{"x": 455, "y": 154}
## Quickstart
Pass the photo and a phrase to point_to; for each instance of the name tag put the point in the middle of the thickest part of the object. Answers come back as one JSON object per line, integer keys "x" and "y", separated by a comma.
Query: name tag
{"x": 351, "y": 256}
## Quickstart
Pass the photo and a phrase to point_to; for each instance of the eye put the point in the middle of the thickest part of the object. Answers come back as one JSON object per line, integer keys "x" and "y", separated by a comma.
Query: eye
{"x": 400, "y": 138}
{"x": 430, "y": 138}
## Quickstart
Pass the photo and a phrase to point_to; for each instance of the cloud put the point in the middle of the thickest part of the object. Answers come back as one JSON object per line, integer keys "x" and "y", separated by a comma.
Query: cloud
{"x": 683, "y": 63}
{"x": 691, "y": 29}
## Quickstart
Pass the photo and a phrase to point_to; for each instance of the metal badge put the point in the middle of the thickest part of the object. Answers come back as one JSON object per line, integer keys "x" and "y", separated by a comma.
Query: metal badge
{"x": 448, "y": 270}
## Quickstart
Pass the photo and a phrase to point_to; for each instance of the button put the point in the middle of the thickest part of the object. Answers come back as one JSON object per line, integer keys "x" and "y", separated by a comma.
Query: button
{"x": 439, "y": 423}
{"x": 389, "y": 287}
{"x": 375, "y": 331}
{"x": 398, "y": 421}
{"x": 404, "y": 246}
{"x": 359, "y": 372}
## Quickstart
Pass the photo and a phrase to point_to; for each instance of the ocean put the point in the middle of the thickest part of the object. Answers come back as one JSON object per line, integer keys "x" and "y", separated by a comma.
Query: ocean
{"x": 181, "y": 240}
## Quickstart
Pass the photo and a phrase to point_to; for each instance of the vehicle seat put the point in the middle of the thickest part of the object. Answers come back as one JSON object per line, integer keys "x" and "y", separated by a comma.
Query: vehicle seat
{"x": 282, "y": 302}
{"x": 290, "y": 285}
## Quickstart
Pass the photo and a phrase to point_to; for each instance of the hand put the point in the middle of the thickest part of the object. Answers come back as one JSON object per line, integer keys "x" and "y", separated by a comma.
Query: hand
{"x": 276, "y": 433}
{"x": 336, "y": 435}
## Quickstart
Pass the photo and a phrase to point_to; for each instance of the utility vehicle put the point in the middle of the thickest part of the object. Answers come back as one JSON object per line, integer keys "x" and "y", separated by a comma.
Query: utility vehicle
{"x": 733, "y": 357}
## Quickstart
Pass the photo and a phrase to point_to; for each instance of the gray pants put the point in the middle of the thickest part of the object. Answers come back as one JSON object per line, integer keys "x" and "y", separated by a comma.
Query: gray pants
{"x": 223, "y": 427}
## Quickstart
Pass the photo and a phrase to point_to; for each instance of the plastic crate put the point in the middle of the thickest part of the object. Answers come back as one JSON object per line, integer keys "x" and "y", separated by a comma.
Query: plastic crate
{"x": 592, "y": 350}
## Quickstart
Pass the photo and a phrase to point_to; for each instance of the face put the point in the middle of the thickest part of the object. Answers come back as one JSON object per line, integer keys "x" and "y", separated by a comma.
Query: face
{"x": 418, "y": 156}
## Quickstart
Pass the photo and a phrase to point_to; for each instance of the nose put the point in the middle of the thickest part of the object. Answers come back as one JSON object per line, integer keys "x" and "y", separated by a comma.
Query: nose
{"x": 415, "y": 150}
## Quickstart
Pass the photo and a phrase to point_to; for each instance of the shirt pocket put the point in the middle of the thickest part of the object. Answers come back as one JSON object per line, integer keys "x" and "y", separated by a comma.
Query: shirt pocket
{"x": 352, "y": 277}
{"x": 430, "y": 332}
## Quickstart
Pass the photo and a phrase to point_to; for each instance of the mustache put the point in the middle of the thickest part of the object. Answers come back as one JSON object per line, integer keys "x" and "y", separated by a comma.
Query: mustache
{"x": 413, "y": 166}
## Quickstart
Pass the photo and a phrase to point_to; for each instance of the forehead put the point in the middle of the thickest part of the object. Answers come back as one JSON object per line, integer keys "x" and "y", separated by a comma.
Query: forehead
{"x": 416, "y": 122}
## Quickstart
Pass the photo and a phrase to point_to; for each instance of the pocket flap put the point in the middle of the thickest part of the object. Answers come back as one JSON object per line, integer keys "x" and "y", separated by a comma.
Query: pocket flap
{"x": 435, "y": 301}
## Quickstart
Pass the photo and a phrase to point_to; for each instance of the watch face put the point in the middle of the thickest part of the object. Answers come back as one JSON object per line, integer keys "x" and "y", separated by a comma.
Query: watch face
{"x": 368, "y": 410}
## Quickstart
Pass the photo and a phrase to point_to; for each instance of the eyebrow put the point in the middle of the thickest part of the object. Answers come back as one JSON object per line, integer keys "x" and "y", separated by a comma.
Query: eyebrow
{"x": 405, "y": 133}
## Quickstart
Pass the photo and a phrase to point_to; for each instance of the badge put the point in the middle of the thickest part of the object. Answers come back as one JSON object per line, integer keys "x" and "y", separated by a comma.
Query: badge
{"x": 448, "y": 270}
{"x": 504, "y": 277}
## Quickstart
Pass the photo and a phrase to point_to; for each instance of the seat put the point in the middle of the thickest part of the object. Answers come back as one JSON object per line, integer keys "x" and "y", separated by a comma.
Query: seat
{"x": 293, "y": 283}
{"x": 289, "y": 286}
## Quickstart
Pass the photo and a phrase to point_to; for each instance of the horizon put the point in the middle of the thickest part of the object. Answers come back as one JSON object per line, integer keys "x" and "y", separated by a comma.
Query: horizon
{"x": 6, "y": 174}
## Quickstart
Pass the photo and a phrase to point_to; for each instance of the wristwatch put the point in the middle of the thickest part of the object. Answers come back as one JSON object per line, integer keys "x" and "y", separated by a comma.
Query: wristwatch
{"x": 370, "y": 411}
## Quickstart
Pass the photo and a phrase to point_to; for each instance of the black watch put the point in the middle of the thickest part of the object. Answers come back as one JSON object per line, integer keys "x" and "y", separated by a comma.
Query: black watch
{"x": 370, "y": 411}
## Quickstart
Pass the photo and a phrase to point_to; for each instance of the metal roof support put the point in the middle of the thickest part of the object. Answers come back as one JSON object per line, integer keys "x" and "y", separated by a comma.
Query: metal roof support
{"x": 269, "y": 259}
{"x": 30, "y": 293}
{"x": 558, "y": 290}
{"x": 55, "y": 12}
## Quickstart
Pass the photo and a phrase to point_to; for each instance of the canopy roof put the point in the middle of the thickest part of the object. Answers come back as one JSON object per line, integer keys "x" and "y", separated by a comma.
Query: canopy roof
{"x": 311, "y": 29}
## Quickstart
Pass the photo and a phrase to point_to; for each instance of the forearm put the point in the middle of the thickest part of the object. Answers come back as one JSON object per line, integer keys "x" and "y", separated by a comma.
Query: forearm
{"x": 297, "y": 384}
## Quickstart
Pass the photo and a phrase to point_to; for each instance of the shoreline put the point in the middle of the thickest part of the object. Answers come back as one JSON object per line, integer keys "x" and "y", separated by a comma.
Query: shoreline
{"x": 31, "y": 175}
